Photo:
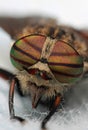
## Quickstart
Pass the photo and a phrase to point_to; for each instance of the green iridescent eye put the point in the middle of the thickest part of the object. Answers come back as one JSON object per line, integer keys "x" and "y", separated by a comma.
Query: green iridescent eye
{"x": 27, "y": 51}
{"x": 64, "y": 61}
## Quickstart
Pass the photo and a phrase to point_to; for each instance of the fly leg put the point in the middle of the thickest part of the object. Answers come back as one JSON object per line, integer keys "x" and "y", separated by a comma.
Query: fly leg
{"x": 6, "y": 74}
{"x": 52, "y": 111}
{"x": 11, "y": 102}
{"x": 9, "y": 76}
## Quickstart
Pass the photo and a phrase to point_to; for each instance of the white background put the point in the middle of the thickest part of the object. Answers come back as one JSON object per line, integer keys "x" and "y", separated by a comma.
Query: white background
{"x": 73, "y": 12}
{"x": 75, "y": 113}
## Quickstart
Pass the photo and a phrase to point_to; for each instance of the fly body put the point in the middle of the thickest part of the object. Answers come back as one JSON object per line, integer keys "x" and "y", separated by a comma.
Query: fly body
{"x": 49, "y": 57}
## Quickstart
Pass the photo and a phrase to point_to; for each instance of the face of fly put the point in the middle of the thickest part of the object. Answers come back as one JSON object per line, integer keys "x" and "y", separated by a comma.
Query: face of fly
{"x": 39, "y": 82}
{"x": 52, "y": 63}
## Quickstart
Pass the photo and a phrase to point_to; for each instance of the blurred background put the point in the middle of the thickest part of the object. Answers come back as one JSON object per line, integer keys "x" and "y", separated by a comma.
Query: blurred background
{"x": 72, "y": 12}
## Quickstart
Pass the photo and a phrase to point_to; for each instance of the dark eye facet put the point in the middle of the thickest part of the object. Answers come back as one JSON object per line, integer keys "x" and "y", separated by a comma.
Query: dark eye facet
{"x": 45, "y": 76}
{"x": 32, "y": 71}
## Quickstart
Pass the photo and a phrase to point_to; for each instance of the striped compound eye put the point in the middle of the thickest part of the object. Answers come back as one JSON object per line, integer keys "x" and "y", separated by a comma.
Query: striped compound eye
{"x": 64, "y": 61}
{"x": 27, "y": 51}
